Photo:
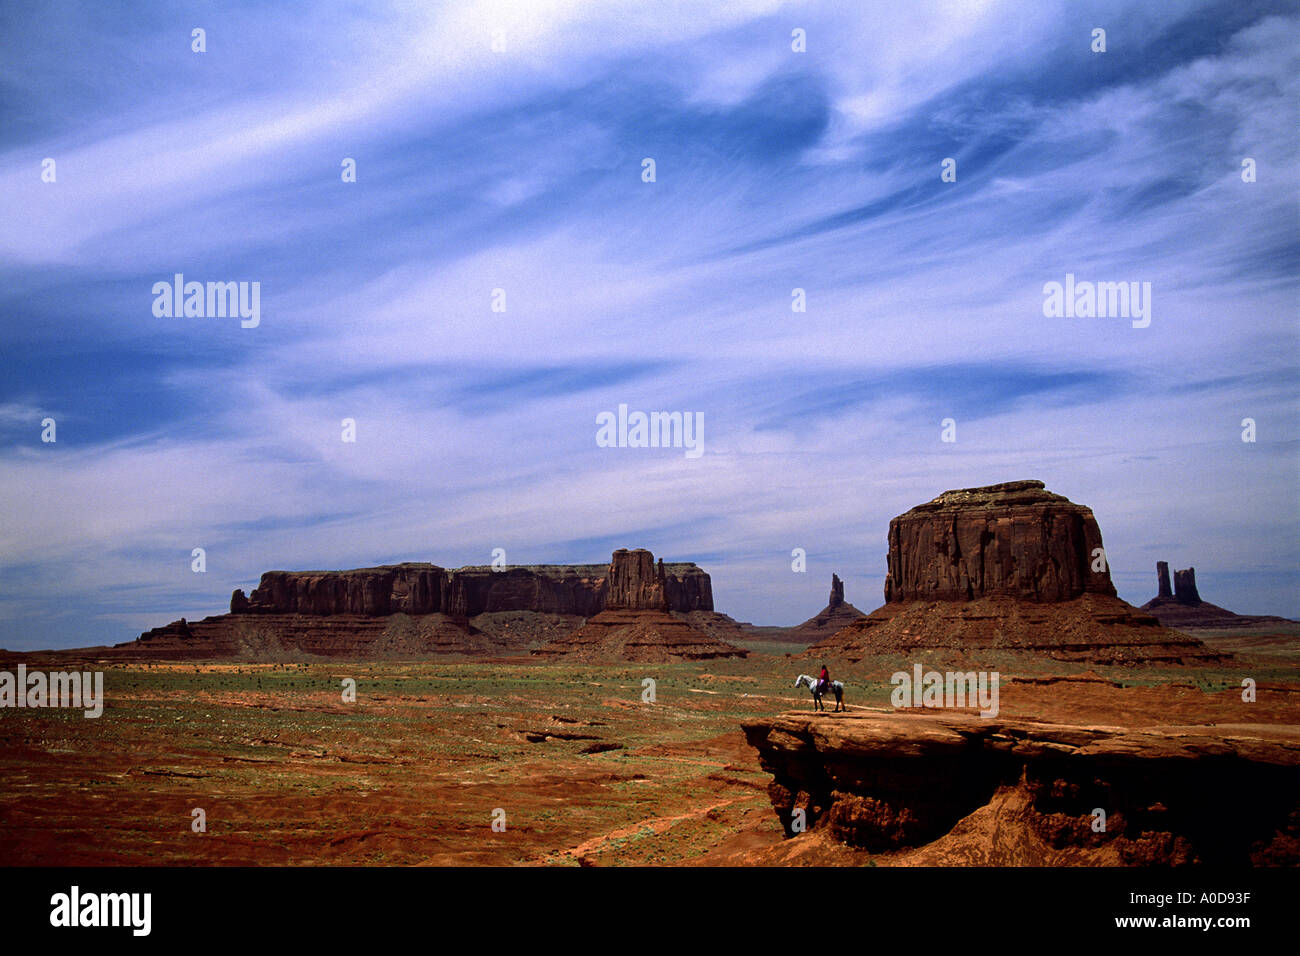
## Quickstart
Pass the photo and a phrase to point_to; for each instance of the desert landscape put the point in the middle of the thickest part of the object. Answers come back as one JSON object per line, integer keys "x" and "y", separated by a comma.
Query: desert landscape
{"x": 649, "y": 474}
{"x": 609, "y": 716}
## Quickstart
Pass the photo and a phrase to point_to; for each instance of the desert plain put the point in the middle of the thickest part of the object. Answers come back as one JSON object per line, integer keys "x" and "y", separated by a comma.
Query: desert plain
{"x": 577, "y": 766}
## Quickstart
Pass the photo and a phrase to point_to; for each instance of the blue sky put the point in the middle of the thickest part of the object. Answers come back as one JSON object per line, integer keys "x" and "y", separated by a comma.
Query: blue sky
{"x": 521, "y": 169}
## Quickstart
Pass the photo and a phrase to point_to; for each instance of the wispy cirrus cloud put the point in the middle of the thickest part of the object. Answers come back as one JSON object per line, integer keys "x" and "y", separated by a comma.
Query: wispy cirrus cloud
{"x": 521, "y": 171}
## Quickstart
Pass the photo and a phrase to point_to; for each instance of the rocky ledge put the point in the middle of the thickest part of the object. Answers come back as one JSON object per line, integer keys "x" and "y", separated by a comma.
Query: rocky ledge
{"x": 1170, "y": 795}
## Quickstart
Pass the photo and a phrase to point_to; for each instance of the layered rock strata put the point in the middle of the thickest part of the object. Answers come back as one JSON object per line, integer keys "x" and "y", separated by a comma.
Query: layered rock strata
{"x": 1010, "y": 566}
{"x": 415, "y": 610}
{"x": 1015, "y": 539}
{"x": 581, "y": 589}
{"x": 636, "y": 624}
{"x": 884, "y": 782}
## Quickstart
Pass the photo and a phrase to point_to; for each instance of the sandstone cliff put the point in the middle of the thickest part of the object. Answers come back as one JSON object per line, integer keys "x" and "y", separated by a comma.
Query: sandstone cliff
{"x": 1015, "y": 539}
{"x": 1028, "y": 789}
{"x": 636, "y": 624}
{"x": 414, "y": 610}
{"x": 582, "y": 590}
{"x": 1009, "y": 566}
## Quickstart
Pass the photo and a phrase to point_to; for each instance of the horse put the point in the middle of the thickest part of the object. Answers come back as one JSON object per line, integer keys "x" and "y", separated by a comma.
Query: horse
{"x": 836, "y": 687}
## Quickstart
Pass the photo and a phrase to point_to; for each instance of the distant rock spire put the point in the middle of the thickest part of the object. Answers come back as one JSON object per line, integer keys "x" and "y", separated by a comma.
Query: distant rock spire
{"x": 1185, "y": 587}
{"x": 1162, "y": 572}
{"x": 837, "y": 591}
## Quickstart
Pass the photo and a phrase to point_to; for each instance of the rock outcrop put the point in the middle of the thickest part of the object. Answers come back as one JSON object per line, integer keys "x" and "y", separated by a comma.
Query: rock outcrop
{"x": 1014, "y": 539}
{"x": 415, "y": 610}
{"x": 1162, "y": 575}
{"x": 1010, "y": 566}
{"x": 1028, "y": 790}
{"x": 636, "y": 624}
{"x": 1184, "y": 609}
{"x": 836, "y": 615}
{"x": 1185, "y": 587}
{"x": 635, "y": 583}
{"x": 1092, "y": 629}
{"x": 581, "y": 590}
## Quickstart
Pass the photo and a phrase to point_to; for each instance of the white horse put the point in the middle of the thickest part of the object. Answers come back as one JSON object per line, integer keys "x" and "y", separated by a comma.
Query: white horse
{"x": 836, "y": 687}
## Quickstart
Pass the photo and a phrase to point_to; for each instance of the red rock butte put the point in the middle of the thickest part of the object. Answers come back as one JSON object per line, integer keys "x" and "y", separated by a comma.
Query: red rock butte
{"x": 636, "y": 624}
{"x": 1015, "y": 539}
{"x": 1009, "y": 566}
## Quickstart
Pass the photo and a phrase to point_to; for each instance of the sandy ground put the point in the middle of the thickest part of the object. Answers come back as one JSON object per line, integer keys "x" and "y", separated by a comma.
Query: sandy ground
{"x": 580, "y": 768}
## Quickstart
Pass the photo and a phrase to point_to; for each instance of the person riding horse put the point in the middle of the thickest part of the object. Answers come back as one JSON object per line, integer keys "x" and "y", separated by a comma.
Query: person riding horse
{"x": 820, "y": 686}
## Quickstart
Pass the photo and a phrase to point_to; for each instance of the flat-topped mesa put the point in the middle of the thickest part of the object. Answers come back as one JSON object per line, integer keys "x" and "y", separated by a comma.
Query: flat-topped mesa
{"x": 1014, "y": 539}
{"x": 417, "y": 609}
{"x": 582, "y": 590}
{"x": 370, "y": 592}
{"x": 1010, "y": 567}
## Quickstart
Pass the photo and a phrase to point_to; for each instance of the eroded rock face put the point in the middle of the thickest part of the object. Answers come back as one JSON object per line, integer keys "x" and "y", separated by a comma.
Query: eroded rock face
{"x": 642, "y": 636}
{"x": 1015, "y": 539}
{"x": 414, "y": 610}
{"x": 635, "y": 583}
{"x": 1006, "y": 566}
{"x": 269, "y": 637}
{"x": 372, "y": 592}
{"x": 837, "y": 592}
{"x": 583, "y": 589}
{"x": 1185, "y": 587}
{"x": 1162, "y": 576}
{"x": 635, "y": 624}
{"x": 888, "y": 781}
{"x": 1093, "y": 628}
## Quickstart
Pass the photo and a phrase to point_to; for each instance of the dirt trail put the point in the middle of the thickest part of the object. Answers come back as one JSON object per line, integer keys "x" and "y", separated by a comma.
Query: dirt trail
{"x": 656, "y": 824}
